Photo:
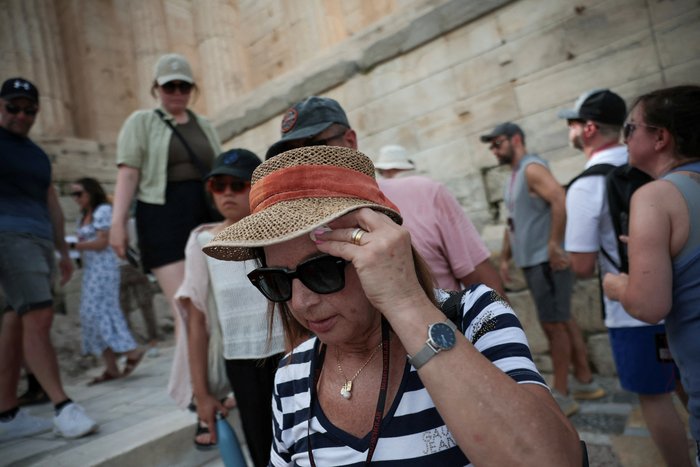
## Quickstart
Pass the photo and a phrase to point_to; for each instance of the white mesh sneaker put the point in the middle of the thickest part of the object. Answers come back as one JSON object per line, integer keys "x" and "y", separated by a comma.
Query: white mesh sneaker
{"x": 72, "y": 422}
{"x": 23, "y": 425}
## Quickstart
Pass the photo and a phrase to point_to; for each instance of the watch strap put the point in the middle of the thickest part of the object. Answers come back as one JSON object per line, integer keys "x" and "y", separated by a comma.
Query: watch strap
{"x": 429, "y": 350}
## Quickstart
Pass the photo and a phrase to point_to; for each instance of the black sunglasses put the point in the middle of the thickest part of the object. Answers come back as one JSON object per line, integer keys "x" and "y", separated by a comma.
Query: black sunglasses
{"x": 14, "y": 109}
{"x": 324, "y": 142}
{"x": 497, "y": 144}
{"x": 219, "y": 186}
{"x": 628, "y": 129}
{"x": 77, "y": 194}
{"x": 323, "y": 274}
{"x": 171, "y": 86}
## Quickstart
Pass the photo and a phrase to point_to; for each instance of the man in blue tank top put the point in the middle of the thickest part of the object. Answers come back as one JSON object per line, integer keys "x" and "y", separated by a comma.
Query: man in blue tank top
{"x": 31, "y": 225}
{"x": 533, "y": 238}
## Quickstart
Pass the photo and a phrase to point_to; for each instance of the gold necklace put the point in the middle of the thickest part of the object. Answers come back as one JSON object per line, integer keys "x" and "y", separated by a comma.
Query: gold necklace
{"x": 347, "y": 387}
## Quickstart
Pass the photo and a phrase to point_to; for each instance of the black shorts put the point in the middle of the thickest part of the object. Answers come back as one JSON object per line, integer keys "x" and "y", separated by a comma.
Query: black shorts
{"x": 163, "y": 230}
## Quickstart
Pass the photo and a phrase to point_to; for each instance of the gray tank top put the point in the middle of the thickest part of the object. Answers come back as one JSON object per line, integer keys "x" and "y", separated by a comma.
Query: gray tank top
{"x": 691, "y": 192}
{"x": 530, "y": 217}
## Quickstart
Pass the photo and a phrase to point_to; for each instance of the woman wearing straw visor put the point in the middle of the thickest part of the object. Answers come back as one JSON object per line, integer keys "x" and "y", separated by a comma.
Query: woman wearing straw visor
{"x": 349, "y": 395}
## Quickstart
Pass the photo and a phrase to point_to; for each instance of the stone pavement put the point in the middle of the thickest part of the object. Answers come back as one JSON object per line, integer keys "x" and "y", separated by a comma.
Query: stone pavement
{"x": 141, "y": 426}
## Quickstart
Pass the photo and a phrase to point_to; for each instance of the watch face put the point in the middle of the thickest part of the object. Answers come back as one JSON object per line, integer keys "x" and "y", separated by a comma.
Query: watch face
{"x": 442, "y": 335}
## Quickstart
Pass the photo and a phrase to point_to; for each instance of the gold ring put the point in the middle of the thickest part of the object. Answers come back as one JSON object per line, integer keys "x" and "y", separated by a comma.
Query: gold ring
{"x": 357, "y": 235}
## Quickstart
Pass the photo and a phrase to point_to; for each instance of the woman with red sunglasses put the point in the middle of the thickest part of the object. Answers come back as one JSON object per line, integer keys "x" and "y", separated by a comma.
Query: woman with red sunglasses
{"x": 223, "y": 323}
{"x": 162, "y": 157}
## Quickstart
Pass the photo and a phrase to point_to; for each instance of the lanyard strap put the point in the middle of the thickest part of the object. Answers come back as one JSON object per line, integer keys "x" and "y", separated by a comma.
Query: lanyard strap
{"x": 381, "y": 400}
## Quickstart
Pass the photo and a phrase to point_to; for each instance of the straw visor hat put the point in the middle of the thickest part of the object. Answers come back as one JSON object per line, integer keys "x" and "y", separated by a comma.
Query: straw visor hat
{"x": 296, "y": 192}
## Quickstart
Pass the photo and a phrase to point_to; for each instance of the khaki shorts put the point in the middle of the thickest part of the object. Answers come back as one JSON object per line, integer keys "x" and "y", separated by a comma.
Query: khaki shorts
{"x": 27, "y": 268}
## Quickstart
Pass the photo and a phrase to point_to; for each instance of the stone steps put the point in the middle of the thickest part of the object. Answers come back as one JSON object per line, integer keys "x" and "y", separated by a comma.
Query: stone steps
{"x": 140, "y": 426}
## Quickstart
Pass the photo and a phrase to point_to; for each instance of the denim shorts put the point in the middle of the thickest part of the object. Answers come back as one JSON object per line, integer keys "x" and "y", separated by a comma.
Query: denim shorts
{"x": 27, "y": 267}
{"x": 634, "y": 351}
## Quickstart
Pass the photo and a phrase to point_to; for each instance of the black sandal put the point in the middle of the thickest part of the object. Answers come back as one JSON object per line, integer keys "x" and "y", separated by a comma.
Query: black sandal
{"x": 202, "y": 430}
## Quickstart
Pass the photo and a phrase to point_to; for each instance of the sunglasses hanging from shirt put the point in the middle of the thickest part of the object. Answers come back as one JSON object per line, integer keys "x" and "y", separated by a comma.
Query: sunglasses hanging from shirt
{"x": 212, "y": 212}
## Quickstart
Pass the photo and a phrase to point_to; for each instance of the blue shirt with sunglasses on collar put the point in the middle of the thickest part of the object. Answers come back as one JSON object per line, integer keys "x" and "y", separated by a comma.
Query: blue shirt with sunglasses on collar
{"x": 25, "y": 176}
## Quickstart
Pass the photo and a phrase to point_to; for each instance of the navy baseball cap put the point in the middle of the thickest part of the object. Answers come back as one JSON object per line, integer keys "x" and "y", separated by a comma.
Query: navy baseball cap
{"x": 505, "y": 128}
{"x": 599, "y": 105}
{"x": 19, "y": 87}
{"x": 306, "y": 119}
{"x": 239, "y": 163}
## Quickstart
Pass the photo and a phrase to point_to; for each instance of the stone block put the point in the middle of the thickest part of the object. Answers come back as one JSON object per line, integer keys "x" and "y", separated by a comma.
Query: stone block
{"x": 684, "y": 29}
{"x": 482, "y": 156}
{"x": 496, "y": 178}
{"x": 604, "y": 23}
{"x": 419, "y": 99}
{"x": 466, "y": 117}
{"x": 492, "y": 235}
{"x": 524, "y": 308}
{"x": 401, "y": 134}
{"x": 585, "y": 306}
{"x": 525, "y": 16}
{"x": 533, "y": 52}
{"x": 451, "y": 158}
{"x": 472, "y": 39}
{"x": 545, "y": 131}
{"x": 468, "y": 189}
{"x": 662, "y": 11}
{"x": 600, "y": 354}
{"x": 622, "y": 61}
{"x": 687, "y": 72}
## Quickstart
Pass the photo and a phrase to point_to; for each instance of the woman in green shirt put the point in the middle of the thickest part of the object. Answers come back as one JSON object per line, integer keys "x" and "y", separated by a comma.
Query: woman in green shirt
{"x": 157, "y": 168}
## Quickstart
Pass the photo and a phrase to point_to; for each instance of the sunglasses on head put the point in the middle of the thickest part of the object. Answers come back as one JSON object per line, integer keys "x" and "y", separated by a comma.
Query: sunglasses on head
{"x": 171, "y": 86}
{"x": 14, "y": 109}
{"x": 218, "y": 186}
{"x": 77, "y": 194}
{"x": 323, "y": 274}
{"x": 628, "y": 129}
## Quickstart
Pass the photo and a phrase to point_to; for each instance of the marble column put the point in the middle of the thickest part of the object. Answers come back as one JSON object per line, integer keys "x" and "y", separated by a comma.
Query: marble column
{"x": 30, "y": 47}
{"x": 222, "y": 52}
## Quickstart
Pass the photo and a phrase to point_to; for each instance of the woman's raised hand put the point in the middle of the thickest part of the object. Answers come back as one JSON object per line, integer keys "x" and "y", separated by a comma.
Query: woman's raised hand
{"x": 381, "y": 256}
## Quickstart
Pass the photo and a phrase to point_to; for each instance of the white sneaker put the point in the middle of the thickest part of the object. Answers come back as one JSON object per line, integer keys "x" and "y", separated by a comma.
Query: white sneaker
{"x": 23, "y": 425}
{"x": 152, "y": 352}
{"x": 73, "y": 423}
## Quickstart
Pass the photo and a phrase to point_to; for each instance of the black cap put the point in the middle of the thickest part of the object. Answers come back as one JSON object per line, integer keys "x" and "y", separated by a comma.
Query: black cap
{"x": 238, "y": 163}
{"x": 599, "y": 105}
{"x": 306, "y": 119}
{"x": 505, "y": 128}
{"x": 19, "y": 87}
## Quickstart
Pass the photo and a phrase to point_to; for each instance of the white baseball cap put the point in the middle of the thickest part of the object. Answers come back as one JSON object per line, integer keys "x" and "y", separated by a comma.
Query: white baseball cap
{"x": 173, "y": 67}
{"x": 393, "y": 157}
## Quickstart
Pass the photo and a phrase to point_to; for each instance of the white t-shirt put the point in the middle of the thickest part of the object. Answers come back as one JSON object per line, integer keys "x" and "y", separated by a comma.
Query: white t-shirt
{"x": 589, "y": 227}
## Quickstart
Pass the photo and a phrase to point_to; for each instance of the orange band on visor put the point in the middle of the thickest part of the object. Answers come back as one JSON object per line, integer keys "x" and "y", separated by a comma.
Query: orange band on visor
{"x": 315, "y": 181}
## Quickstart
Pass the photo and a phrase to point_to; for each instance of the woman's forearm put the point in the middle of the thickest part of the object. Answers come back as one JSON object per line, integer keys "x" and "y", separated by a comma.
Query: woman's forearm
{"x": 198, "y": 343}
{"x": 127, "y": 182}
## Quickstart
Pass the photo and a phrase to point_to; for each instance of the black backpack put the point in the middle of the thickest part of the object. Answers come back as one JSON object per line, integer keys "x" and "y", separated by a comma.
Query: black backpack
{"x": 620, "y": 184}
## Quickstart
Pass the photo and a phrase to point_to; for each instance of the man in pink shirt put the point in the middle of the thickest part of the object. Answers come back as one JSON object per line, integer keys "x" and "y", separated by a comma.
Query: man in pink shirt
{"x": 440, "y": 230}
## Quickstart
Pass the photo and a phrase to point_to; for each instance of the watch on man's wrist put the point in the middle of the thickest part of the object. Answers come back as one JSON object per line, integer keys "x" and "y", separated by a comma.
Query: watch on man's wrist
{"x": 441, "y": 336}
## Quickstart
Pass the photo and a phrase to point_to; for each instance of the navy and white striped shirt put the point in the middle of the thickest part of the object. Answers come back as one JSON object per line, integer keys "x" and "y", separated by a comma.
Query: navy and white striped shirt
{"x": 412, "y": 430}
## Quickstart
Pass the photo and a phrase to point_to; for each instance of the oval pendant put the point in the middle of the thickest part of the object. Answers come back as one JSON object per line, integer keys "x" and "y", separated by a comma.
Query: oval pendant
{"x": 344, "y": 393}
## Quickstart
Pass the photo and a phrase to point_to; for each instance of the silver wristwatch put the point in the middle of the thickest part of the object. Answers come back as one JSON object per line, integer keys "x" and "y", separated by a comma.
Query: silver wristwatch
{"x": 441, "y": 336}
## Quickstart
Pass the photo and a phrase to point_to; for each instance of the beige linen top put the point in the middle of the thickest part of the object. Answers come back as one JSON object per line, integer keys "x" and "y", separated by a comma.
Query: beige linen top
{"x": 143, "y": 144}
{"x": 228, "y": 325}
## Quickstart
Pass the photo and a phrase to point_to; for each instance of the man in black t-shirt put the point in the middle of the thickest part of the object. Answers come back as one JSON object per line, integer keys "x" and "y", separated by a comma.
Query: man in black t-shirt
{"x": 31, "y": 226}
